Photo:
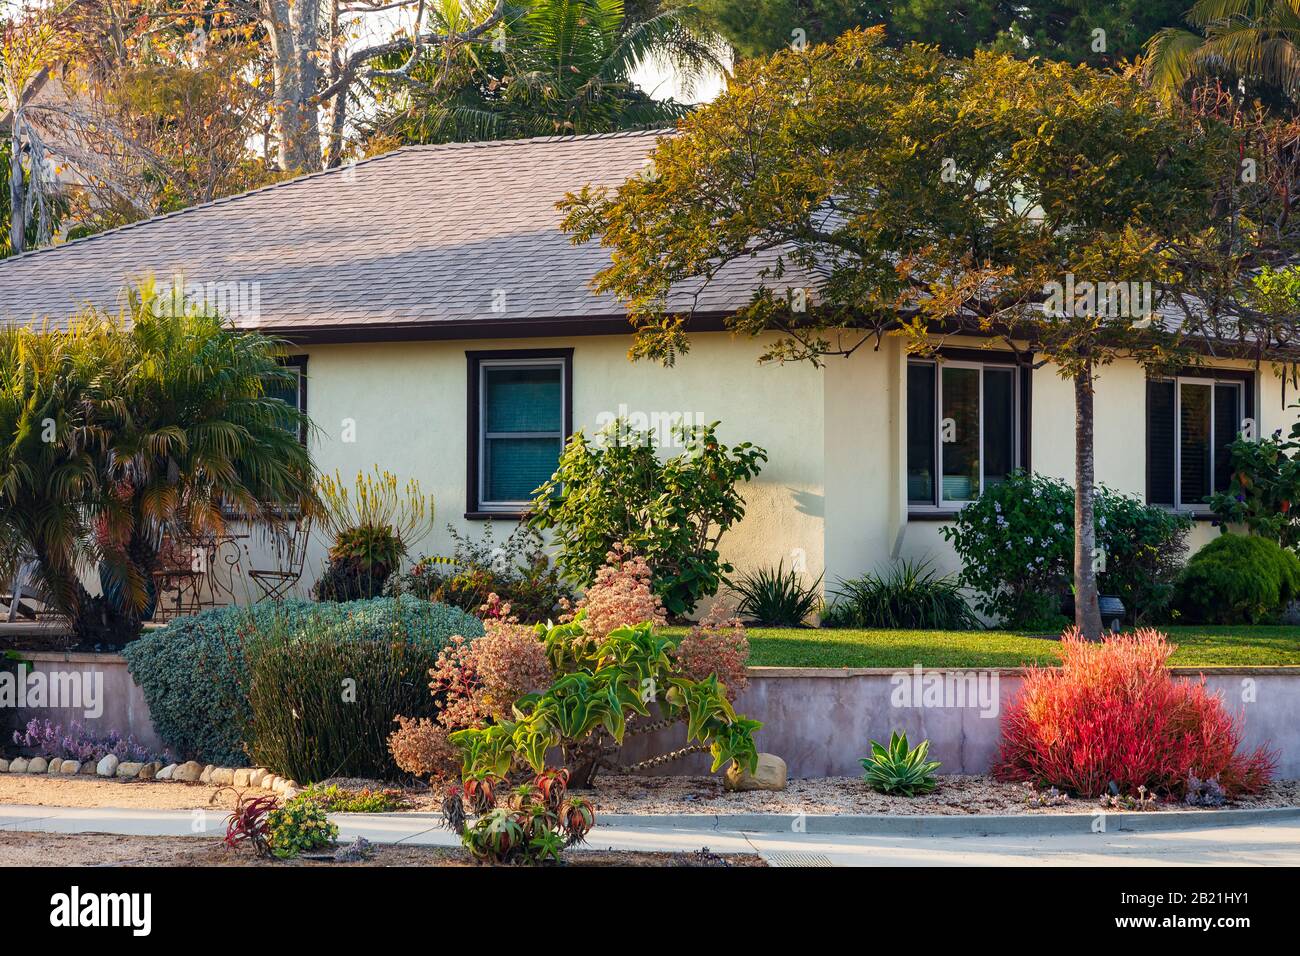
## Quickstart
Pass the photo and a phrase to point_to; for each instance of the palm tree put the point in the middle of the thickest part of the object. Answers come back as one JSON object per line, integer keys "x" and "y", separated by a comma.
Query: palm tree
{"x": 1256, "y": 41}
{"x": 555, "y": 67}
{"x": 121, "y": 427}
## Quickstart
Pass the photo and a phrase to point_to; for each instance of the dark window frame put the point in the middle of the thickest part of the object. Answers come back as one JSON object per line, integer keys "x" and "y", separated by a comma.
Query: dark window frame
{"x": 1024, "y": 417}
{"x": 300, "y": 363}
{"x": 475, "y": 509}
{"x": 1212, "y": 376}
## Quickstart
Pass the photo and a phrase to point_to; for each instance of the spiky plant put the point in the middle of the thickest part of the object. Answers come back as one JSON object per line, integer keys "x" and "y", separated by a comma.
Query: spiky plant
{"x": 898, "y": 770}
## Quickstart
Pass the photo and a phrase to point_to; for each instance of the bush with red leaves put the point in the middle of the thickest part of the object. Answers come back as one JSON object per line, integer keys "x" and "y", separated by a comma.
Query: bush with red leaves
{"x": 248, "y": 822}
{"x": 1112, "y": 713}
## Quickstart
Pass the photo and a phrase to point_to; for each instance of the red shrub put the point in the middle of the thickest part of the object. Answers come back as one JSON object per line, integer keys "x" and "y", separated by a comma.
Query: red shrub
{"x": 1113, "y": 712}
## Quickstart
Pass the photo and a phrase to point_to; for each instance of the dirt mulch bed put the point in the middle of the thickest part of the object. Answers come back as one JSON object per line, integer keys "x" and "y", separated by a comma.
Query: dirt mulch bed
{"x": 101, "y": 849}
{"x": 956, "y": 795}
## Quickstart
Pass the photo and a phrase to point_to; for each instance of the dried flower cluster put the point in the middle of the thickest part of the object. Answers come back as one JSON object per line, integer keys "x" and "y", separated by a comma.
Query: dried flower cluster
{"x": 421, "y": 747}
{"x": 717, "y": 645}
{"x": 620, "y": 596}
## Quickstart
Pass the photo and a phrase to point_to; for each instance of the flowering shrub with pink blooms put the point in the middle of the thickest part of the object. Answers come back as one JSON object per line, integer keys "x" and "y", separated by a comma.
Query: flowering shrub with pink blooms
{"x": 621, "y": 596}
{"x": 716, "y": 645}
{"x": 1113, "y": 719}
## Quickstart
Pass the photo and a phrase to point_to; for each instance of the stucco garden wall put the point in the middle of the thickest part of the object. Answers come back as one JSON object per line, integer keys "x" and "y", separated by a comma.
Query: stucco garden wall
{"x": 819, "y": 720}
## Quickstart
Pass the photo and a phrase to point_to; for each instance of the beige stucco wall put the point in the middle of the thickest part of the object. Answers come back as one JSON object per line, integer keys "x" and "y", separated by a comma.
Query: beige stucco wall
{"x": 833, "y": 495}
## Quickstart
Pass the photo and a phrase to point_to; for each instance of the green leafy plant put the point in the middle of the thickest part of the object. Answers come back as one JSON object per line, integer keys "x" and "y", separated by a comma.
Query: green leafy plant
{"x": 776, "y": 597}
{"x": 301, "y": 825}
{"x": 673, "y": 512}
{"x": 1016, "y": 543}
{"x": 517, "y": 571}
{"x": 896, "y": 769}
{"x": 335, "y": 799}
{"x": 1263, "y": 491}
{"x": 605, "y": 691}
{"x": 1238, "y": 579}
{"x": 372, "y": 524}
{"x": 908, "y": 595}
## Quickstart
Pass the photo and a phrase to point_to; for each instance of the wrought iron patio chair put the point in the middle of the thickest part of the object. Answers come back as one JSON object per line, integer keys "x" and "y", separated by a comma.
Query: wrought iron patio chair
{"x": 290, "y": 550}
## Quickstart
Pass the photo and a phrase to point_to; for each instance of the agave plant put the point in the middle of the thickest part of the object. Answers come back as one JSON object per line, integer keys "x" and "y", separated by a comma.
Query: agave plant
{"x": 896, "y": 769}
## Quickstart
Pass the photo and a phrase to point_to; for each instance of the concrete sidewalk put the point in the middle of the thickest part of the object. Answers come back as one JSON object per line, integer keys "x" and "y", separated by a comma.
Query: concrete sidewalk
{"x": 1270, "y": 843}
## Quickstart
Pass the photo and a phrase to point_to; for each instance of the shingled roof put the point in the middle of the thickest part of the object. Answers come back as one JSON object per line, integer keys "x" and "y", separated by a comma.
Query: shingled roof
{"x": 446, "y": 239}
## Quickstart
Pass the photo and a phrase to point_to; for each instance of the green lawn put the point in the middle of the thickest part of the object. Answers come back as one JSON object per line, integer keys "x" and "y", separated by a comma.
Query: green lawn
{"x": 809, "y": 647}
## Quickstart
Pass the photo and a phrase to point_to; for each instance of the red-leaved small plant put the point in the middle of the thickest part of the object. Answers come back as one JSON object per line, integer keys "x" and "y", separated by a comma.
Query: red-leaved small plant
{"x": 247, "y": 823}
{"x": 1113, "y": 714}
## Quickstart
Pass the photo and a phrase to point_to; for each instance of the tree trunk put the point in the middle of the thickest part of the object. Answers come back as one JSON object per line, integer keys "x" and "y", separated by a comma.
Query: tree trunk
{"x": 293, "y": 26}
{"x": 1087, "y": 613}
{"x": 17, "y": 201}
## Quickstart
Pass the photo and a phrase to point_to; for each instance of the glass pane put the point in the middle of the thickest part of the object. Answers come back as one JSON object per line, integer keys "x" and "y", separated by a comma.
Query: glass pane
{"x": 288, "y": 391}
{"x": 1161, "y": 440}
{"x": 1194, "y": 444}
{"x": 999, "y": 424}
{"x": 959, "y": 433}
{"x": 920, "y": 434}
{"x": 1227, "y": 425}
{"x": 516, "y": 467}
{"x": 522, "y": 399}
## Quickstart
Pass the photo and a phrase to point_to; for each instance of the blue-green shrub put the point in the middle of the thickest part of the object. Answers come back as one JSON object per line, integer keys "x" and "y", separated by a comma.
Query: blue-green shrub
{"x": 193, "y": 674}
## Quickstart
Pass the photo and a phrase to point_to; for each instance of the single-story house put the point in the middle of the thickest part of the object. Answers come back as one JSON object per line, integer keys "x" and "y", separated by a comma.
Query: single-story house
{"x": 445, "y": 329}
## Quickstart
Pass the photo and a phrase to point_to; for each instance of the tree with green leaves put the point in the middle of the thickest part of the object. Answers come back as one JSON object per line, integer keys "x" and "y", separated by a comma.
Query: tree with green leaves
{"x": 553, "y": 67}
{"x": 120, "y": 429}
{"x": 1051, "y": 29}
{"x": 897, "y": 192}
{"x": 1254, "y": 43}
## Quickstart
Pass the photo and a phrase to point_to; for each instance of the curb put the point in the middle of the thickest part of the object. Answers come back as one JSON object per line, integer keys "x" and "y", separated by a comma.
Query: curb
{"x": 1055, "y": 824}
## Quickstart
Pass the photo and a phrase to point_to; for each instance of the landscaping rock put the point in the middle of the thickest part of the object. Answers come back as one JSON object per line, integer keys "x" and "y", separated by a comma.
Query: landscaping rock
{"x": 38, "y": 765}
{"x": 166, "y": 772}
{"x": 54, "y": 766}
{"x": 268, "y": 782}
{"x": 257, "y": 777}
{"x": 70, "y": 767}
{"x": 18, "y": 765}
{"x": 206, "y": 776}
{"x": 149, "y": 771}
{"x": 188, "y": 772}
{"x": 87, "y": 769}
{"x": 129, "y": 769}
{"x": 222, "y": 777}
{"x": 108, "y": 766}
{"x": 770, "y": 774}
{"x": 241, "y": 778}
{"x": 4, "y": 766}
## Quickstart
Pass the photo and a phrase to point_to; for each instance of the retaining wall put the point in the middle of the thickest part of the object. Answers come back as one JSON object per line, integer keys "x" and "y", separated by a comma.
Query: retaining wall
{"x": 819, "y": 720}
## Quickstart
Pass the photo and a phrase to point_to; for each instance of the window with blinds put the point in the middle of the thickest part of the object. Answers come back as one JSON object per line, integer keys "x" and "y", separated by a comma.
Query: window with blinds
{"x": 1191, "y": 423}
{"x": 521, "y": 429}
{"x": 293, "y": 392}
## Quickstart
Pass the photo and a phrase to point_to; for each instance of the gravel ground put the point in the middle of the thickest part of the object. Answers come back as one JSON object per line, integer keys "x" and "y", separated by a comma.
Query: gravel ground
{"x": 955, "y": 795}
{"x": 99, "y": 849}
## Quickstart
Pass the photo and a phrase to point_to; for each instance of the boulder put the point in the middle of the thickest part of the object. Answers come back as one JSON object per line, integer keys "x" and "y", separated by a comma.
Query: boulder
{"x": 242, "y": 778}
{"x": 149, "y": 771}
{"x": 108, "y": 766}
{"x": 70, "y": 766}
{"x": 206, "y": 776}
{"x": 128, "y": 769}
{"x": 88, "y": 769}
{"x": 18, "y": 765}
{"x": 4, "y": 766}
{"x": 188, "y": 772}
{"x": 257, "y": 777}
{"x": 55, "y": 765}
{"x": 770, "y": 774}
{"x": 222, "y": 777}
{"x": 166, "y": 772}
{"x": 38, "y": 765}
